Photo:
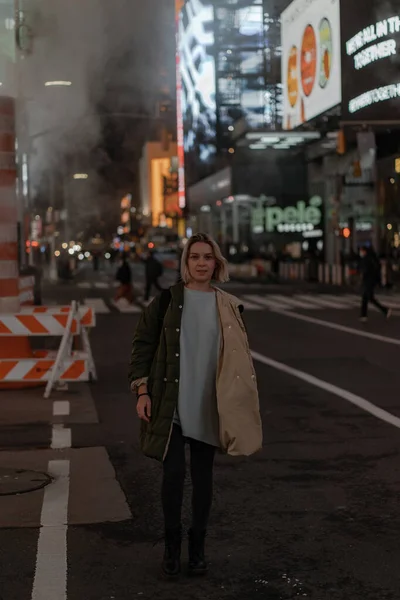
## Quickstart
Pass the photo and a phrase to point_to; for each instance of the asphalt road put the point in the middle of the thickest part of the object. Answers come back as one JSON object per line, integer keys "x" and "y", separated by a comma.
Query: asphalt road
{"x": 314, "y": 515}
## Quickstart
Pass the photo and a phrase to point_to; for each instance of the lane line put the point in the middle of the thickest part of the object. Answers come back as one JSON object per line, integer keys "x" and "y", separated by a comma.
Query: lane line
{"x": 361, "y": 403}
{"x": 61, "y": 408}
{"x": 50, "y": 582}
{"x": 329, "y": 325}
{"x": 61, "y": 437}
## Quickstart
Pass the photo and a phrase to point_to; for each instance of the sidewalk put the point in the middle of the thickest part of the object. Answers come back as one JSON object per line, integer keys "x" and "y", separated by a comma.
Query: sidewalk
{"x": 36, "y": 435}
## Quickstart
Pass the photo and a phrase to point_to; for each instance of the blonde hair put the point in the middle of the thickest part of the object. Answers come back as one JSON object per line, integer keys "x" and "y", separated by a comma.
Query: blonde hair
{"x": 221, "y": 273}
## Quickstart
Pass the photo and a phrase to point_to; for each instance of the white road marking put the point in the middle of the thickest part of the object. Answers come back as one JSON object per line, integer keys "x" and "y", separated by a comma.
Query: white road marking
{"x": 98, "y": 305}
{"x": 61, "y": 437}
{"x": 247, "y": 305}
{"x": 101, "y": 285}
{"x": 84, "y": 285}
{"x": 126, "y": 307}
{"x": 322, "y": 302}
{"x": 61, "y": 408}
{"x": 351, "y": 330}
{"x": 332, "y": 389}
{"x": 349, "y": 299}
{"x": 50, "y": 582}
{"x": 265, "y": 301}
{"x": 292, "y": 302}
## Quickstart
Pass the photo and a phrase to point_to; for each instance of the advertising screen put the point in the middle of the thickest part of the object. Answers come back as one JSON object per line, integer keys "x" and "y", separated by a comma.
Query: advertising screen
{"x": 311, "y": 73}
{"x": 246, "y": 38}
{"x": 198, "y": 83}
{"x": 371, "y": 60}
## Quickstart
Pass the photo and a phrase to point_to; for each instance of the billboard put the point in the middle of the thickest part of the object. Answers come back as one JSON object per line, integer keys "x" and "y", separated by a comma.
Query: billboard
{"x": 311, "y": 61}
{"x": 247, "y": 51}
{"x": 198, "y": 83}
{"x": 371, "y": 60}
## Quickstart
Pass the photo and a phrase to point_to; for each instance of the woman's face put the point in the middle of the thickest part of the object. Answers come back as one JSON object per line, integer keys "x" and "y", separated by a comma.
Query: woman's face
{"x": 201, "y": 262}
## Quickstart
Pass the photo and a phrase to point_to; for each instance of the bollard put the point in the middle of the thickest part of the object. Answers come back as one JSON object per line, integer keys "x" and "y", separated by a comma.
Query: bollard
{"x": 327, "y": 274}
{"x": 321, "y": 273}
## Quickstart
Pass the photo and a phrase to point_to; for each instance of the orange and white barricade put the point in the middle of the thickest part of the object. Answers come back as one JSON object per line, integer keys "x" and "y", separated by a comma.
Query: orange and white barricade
{"x": 54, "y": 368}
{"x": 26, "y": 290}
{"x": 86, "y": 313}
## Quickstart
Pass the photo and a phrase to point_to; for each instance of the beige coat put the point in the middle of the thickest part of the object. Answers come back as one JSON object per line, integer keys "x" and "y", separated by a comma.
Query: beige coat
{"x": 237, "y": 394}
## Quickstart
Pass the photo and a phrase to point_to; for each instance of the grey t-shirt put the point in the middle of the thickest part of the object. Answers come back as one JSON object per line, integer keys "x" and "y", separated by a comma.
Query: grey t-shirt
{"x": 199, "y": 349}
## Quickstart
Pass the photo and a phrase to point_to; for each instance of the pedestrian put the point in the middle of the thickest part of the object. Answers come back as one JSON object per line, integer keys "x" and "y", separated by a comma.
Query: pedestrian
{"x": 193, "y": 374}
{"x": 124, "y": 277}
{"x": 154, "y": 271}
{"x": 370, "y": 273}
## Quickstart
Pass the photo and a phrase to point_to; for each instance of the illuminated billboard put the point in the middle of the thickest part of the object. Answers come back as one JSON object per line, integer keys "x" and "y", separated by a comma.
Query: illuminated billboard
{"x": 311, "y": 59}
{"x": 371, "y": 60}
{"x": 197, "y": 80}
{"x": 245, "y": 46}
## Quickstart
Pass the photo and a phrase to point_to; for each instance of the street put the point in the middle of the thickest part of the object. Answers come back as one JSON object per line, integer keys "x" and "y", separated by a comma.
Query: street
{"x": 314, "y": 515}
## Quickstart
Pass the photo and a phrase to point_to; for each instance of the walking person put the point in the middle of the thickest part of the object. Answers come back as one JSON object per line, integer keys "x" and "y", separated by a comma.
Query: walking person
{"x": 124, "y": 277}
{"x": 370, "y": 273}
{"x": 195, "y": 382}
{"x": 153, "y": 270}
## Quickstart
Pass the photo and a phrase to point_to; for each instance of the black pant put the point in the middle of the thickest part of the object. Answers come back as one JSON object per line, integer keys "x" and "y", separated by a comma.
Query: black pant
{"x": 149, "y": 285}
{"x": 201, "y": 468}
{"x": 369, "y": 296}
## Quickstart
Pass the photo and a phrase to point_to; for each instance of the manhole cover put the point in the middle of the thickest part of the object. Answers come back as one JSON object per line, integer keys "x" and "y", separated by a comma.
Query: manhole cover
{"x": 20, "y": 481}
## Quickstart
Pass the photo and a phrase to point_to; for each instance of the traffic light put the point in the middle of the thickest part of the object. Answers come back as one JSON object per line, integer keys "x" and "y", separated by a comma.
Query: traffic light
{"x": 346, "y": 233}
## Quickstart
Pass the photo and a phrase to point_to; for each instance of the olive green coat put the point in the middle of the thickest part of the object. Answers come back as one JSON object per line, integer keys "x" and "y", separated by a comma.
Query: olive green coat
{"x": 155, "y": 358}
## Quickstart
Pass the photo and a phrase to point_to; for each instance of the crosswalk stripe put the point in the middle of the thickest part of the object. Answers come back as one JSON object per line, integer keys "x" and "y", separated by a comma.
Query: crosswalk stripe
{"x": 126, "y": 308}
{"x": 250, "y": 305}
{"x": 98, "y": 305}
{"x": 263, "y": 300}
{"x": 85, "y": 285}
{"x": 348, "y": 299}
{"x": 101, "y": 285}
{"x": 321, "y": 302}
{"x": 292, "y": 302}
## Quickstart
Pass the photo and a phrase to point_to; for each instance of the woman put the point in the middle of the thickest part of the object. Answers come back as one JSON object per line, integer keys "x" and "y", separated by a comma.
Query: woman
{"x": 195, "y": 382}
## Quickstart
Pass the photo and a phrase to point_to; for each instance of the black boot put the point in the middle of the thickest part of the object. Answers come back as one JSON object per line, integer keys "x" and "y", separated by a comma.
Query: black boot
{"x": 197, "y": 561}
{"x": 171, "y": 564}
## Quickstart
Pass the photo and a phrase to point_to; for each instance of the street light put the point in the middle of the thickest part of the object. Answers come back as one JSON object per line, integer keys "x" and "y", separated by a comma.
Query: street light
{"x": 81, "y": 176}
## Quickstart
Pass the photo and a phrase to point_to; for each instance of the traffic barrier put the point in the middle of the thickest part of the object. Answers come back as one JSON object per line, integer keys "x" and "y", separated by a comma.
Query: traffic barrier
{"x": 26, "y": 290}
{"x": 87, "y": 317}
{"x": 65, "y": 365}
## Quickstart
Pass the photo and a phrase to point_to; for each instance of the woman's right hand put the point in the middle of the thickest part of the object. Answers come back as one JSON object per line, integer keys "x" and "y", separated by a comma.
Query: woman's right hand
{"x": 143, "y": 408}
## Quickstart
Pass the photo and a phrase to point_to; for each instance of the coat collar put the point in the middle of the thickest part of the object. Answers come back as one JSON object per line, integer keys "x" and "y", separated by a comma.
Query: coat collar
{"x": 177, "y": 293}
